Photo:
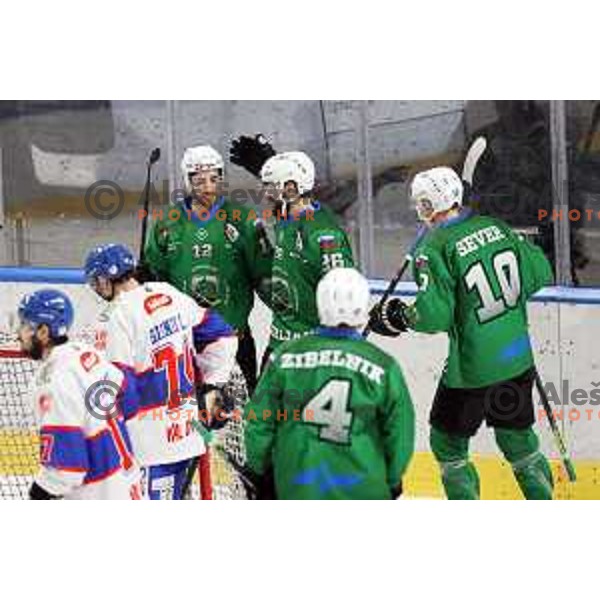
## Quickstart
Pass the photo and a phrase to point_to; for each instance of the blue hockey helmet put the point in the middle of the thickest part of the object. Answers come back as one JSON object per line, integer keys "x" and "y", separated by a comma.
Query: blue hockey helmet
{"x": 110, "y": 261}
{"x": 49, "y": 307}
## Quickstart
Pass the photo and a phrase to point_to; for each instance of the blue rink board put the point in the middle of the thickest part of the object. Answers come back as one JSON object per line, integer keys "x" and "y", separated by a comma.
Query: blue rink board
{"x": 52, "y": 275}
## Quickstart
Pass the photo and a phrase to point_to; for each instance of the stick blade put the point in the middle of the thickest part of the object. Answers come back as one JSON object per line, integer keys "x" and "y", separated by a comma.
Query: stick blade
{"x": 570, "y": 469}
{"x": 477, "y": 148}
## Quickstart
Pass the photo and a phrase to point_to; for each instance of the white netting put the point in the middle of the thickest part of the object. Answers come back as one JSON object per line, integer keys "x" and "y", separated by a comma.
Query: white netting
{"x": 226, "y": 484}
{"x": 18, "y": 438}
{"x": 19, "y": 447}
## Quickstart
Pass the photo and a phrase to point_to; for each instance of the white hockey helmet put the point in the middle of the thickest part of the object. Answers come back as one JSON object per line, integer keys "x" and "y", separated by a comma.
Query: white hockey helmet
{"x": 436, "y": 190}
{"x": 343, "y": 298}
{"x": 289, "y": 166}
{"x": 196, "y": 159}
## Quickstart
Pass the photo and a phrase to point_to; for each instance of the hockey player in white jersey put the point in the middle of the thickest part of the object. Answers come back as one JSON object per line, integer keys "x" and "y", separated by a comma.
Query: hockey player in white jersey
{"x": 85, "y": 451}
{"x": 173, "y": 350}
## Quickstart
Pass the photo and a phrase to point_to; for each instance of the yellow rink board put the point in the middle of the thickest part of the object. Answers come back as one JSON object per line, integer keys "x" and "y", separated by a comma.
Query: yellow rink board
{"x": 422, "y": 479}
{"x": 497, "y": 480}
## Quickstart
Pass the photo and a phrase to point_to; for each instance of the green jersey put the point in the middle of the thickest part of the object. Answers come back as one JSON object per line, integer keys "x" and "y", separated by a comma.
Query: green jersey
{"x": 333, "y": 417}
{"x": 219, "y": 257}
{"x": 306, "y": 247}
{"x": 475, "y": 276}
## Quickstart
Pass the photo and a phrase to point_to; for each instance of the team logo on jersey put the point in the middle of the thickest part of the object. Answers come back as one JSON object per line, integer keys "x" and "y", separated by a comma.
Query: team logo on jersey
{"x": 284, "y": 296}
{"x": 231, "y": 233}
{"x": 156, "y": 301}
{"x": 206, "y": 288}
{"x": 202, "y": 234}
{"x": 89, "y": 360}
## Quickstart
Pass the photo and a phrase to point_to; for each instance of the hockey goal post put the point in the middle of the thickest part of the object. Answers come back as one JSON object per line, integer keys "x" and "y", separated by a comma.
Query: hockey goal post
{"x": 19, "y": 442}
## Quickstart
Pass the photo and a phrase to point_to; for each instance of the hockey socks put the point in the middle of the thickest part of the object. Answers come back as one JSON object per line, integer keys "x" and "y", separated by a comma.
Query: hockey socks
{"x": 531, "y": 468}
{"x": 459, "y": 476}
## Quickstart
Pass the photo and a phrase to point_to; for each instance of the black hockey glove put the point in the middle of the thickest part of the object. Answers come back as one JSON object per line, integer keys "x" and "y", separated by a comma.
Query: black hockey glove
{"x": 390, "y": 318}
{"x": 251, "y": 153}
{"x": 215, "y": 406}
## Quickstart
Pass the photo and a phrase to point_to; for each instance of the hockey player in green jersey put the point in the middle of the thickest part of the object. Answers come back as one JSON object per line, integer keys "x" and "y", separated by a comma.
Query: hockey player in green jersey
{"x": 474, "y": 277}
{"x": 213, "y": 249}
{"x": 308, "y": 243}
{"x": 332, "y": 415}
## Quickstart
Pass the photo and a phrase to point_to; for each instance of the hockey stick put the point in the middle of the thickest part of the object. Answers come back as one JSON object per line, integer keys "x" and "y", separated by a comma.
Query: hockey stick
{"x": 243, "y": 472}
{"x": 194, "y": 466}
{"x": 474, "y": 153}
{"x": 558, "y": 438}
{"x": 152, "y": 159}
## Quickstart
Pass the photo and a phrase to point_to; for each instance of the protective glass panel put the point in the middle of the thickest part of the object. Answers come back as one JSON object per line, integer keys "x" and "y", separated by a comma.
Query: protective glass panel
{"x": 583, "y": 216}
{"x": 72, "y": 176}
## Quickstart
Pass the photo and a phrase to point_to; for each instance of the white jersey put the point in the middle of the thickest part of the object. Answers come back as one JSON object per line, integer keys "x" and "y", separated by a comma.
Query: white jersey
{"x": 151, "y": 333}
{"x": 85, "y": 451}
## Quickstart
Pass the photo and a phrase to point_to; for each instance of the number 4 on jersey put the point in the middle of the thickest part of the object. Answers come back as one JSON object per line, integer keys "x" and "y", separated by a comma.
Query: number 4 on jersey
{"x": 329, "y": 410}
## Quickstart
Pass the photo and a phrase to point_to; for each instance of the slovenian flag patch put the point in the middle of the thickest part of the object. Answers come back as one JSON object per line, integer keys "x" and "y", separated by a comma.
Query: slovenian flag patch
{"x": 328, "y": 242}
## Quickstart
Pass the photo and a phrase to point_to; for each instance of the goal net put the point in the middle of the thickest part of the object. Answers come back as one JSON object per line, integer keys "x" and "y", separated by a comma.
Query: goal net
{"x": 19, "y": 444}
{"x": 18, "y": 436}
